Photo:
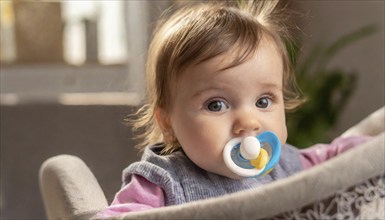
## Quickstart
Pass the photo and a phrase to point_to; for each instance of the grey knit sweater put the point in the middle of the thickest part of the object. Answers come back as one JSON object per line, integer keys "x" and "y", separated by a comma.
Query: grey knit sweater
{"x": 183, "y": 181}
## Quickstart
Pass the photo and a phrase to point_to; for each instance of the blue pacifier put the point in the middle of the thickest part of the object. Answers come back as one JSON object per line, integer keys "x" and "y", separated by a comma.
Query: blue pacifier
{"x": 252, "y": 156}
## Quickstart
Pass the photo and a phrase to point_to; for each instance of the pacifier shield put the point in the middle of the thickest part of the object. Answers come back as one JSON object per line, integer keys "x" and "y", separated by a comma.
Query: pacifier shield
{"x": 252, "y": 156}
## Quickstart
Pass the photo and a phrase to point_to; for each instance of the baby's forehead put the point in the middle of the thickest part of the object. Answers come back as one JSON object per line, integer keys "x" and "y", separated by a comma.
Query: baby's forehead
{"x": 236, "y": 55}
{"x": 257, "y": 61}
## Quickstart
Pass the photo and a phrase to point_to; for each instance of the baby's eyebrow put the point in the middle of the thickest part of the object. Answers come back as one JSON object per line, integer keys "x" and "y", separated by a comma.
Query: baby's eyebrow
{"x": 263, "y": 86}
{"x": 274, "y": 86}
{"x": 202, "y": 91}
{"x": 271, "y": 85}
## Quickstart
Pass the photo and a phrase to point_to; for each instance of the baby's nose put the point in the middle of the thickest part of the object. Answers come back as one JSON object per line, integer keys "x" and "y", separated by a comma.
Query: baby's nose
{"x": 246, "y": 125}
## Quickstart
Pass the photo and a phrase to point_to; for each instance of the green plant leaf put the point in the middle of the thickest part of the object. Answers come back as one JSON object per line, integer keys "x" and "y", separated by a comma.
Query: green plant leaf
{"x": 327, "y": 90}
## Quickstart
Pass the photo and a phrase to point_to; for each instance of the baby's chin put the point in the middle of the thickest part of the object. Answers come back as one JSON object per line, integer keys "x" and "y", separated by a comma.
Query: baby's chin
{"x": 228, "y": 174}
{"x": 235, "y": 176}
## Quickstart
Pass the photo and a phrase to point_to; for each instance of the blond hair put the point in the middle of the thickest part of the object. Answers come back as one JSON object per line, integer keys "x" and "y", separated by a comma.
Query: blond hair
{"x": 198, "y": 33}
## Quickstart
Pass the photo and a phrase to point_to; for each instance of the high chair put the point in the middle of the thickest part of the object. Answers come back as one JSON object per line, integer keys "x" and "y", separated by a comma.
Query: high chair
{"x": 349, "y": 186}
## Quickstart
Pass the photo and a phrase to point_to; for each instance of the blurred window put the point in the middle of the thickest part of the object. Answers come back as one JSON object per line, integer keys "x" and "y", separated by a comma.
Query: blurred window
{"x": 87, "y": 31}
{"x": 75, "y": 51}
{"x": 98, "y": 28}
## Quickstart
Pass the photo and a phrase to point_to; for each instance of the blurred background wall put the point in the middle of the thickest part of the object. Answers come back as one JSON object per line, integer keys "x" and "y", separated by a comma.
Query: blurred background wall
{"x": 72, "y": 70}
{"x": 329, "y": 20}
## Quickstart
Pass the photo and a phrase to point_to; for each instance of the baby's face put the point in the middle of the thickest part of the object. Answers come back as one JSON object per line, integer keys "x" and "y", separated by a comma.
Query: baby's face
{"x": 212, "y": 105}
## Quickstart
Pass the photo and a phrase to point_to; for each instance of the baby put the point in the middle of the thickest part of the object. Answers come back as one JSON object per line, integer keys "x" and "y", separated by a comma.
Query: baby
{"x": 215, "y": 72}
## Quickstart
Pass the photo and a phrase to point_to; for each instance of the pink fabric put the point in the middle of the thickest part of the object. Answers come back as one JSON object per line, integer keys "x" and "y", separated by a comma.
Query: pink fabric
{"x": 140, "y": 194}
{"x": 321, "y": 152}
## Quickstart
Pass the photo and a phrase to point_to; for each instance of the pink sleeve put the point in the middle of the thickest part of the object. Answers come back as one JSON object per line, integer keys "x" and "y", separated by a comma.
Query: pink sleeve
{"x": 137, "y": 195}
{"x": 321, "y": 152}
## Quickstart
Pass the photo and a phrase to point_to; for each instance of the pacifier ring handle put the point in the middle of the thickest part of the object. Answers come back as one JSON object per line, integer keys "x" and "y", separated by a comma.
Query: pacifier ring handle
{"x": 235, "y": 168}
{"x": 238, "y": 153}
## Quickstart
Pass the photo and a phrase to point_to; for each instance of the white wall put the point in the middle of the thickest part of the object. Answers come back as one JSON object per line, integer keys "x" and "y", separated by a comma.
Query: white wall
{"x": 328, "y": 20}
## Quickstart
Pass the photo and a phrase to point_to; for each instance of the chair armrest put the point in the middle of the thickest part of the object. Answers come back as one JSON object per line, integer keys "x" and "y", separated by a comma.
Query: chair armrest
{"x": 371, "y": 125}
{"x": 69, "y": 188}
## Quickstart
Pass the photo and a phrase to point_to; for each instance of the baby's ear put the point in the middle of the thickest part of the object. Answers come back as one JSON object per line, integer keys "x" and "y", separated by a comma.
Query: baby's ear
{"x": 163, "y": 121}
{"x": 165, "y": 125}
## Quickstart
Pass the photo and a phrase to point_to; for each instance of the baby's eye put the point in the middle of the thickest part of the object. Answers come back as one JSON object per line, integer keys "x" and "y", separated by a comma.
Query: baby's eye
{"x": 263, "y": 102}
{"x": 217, "y": 106}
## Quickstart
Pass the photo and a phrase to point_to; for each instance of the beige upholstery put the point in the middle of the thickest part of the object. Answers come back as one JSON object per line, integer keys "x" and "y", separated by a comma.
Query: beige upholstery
{"x": 70, "y": 190}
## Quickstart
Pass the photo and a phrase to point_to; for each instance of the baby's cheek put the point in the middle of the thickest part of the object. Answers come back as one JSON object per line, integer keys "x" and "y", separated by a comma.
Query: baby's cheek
{"x": 283, "y": 137}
